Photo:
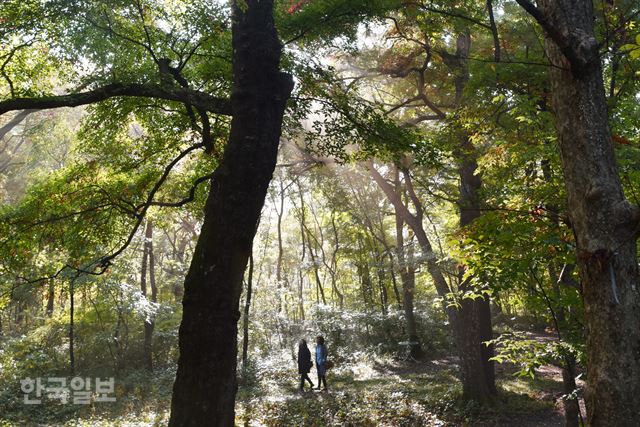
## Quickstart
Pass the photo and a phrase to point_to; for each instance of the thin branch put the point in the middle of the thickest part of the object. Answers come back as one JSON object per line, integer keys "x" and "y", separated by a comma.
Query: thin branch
{"x": 494, "y": 32}
{"x": 100, "y": 266}
{"x": 146, "y": 31}
{"x": 189, "y": 198}
{"x": 448, "y": 13}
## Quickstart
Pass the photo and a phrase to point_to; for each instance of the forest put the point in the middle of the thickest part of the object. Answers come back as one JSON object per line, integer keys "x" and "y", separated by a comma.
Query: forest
{"x": 429, "y": 206}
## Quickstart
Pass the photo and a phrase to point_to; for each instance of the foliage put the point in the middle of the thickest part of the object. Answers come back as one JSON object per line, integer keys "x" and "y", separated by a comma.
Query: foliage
{"x": 530, "y": 354}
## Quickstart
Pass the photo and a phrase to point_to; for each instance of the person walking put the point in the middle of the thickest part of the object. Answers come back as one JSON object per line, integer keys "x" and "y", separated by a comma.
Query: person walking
{"x": 321, "y": 362}
{"x": 304, "y": 364}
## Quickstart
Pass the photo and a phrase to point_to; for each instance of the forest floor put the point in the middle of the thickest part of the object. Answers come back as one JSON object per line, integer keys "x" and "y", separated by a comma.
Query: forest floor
{"x": 370, "y": 392}
{"x": 405, "y": 393}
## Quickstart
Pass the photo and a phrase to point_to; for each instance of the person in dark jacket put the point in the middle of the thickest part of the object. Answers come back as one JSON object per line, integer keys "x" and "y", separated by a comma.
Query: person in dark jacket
{"x": 321, "y": 362}
{"x": 304, "y": 364}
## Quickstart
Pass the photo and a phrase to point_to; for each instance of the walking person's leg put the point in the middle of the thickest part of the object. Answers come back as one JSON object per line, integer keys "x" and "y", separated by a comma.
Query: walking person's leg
{"x": 324, "y": 382}
{"x": 306, "y": 377}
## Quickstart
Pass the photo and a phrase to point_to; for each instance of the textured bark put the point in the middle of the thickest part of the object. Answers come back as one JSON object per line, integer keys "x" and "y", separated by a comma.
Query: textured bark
{"x": 604, "y": 223}
{"x": 474, "y": 316}
{"x": 205, "y": 387}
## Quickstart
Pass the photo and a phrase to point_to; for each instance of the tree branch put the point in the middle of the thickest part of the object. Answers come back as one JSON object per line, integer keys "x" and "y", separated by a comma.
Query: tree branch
{"x": 580, "y": 49}
{"x": 198, "y": 99}
{"x": 189, "y": 198}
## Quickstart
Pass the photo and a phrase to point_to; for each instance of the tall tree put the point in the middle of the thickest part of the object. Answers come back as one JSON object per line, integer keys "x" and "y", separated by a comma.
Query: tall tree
{"x": 205, "y": 386}
{"x": 604, "y": 223}
{"x": 133, "y": 57}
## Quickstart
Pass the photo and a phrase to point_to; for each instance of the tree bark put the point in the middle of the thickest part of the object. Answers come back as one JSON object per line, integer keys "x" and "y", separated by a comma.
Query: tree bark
{"x": 604, "y": 223}
{"x": 474, "y": 315}
{"x": 205, "y": 387}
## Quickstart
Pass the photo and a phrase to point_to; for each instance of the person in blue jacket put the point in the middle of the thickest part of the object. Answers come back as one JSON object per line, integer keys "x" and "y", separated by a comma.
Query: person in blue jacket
{"x": 321, "y": 362}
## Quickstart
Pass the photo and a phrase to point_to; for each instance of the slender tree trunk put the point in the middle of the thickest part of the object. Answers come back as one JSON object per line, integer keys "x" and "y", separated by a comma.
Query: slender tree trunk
{"x": 245, "y": 318}
{"x": 72, "y": 358}
{"x": 301, "y": 295}
{"x": 474, "y": 314}
{"x": 302, "y": 260}
{"x": 149, "y": 322}
{"x": 334, "y": 263}
{"x": 415, "y": 347}
{"x": 394, "y": 280}
{"x": 280, "y": 213}
{"x": 604, "y": 223}
{"x": 384, "y": 297}
{"x": 51, "y": 294}
{"x": 570, "y": 403}
{"x": 205, "y": 387}
{"x": 407, "y": 276}
{"x": 314, "y": 261}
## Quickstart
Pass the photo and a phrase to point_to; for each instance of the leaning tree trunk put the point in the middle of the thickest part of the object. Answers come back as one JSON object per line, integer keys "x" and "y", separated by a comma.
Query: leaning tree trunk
{"x": 604, "y": 223}
{"x": 205, "y": 387}
{"x": 471, "y": 322}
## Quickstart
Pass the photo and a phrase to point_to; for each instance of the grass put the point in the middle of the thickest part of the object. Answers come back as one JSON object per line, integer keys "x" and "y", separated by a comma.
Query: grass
{"x": 369, "y": 393}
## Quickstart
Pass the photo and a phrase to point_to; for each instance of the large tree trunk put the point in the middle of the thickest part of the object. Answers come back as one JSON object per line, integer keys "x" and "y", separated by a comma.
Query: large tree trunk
{"x": 604, "y": 223}
{"x": 474, "y": 316}
{"x": 205, "y": 387}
